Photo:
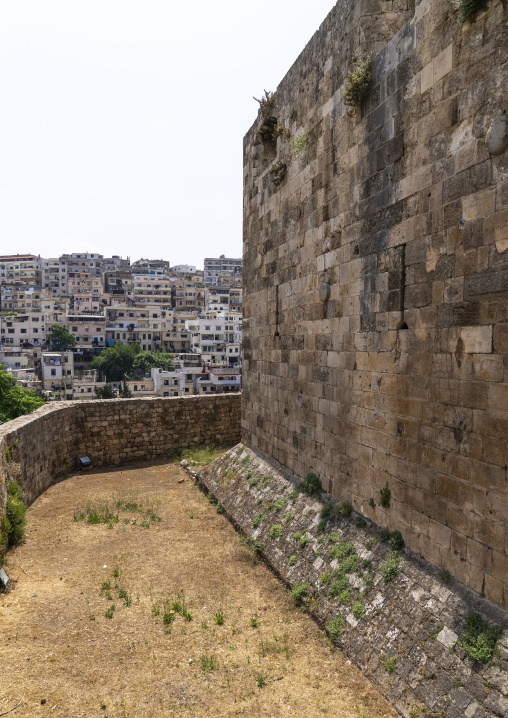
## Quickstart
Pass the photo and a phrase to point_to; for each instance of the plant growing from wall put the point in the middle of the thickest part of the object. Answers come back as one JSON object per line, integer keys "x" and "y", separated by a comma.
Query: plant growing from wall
{"x": 358, "y": 81}
{"x": 14, "y": 521}
{"x": 311, "y": 486}
{"x": 396, "y": 541}
{"x": 266, "y": 102}
{"x": 276, "y": 531}
{"x": 479, "y": 639}
{"x": 335, "y": 628}
{"x": 469, "y": 9}
{"x": 280, "y": 131}
{"x": 385, "y": 496}
{"x": 391, "y": 567}
{"x": 345, "y": 509}
{"x": 300, "y": 143}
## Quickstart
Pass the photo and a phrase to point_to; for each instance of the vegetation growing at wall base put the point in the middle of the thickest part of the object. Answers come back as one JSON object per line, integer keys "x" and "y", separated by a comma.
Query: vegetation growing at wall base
{"x": 14, "y": 522}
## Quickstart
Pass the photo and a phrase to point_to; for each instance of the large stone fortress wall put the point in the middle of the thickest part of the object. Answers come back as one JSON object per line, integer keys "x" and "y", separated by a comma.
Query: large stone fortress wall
{"x": 397, "y": 371}
{"x": 48, "y": 443}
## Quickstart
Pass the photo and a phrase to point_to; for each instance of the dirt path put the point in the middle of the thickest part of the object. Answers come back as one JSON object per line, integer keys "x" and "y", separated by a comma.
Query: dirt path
{"x": 62, "y": 656}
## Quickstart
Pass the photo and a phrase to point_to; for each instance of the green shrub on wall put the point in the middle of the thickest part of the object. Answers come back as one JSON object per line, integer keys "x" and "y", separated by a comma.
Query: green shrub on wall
{"x": 358, "y": 81}
{"x": 469, "y": 9}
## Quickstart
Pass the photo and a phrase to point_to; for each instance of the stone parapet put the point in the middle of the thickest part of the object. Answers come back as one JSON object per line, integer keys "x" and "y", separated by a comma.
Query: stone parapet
{"x": 48, "y": 443}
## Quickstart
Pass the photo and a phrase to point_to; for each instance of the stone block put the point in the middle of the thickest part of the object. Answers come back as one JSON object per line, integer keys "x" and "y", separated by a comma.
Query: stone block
{"x": 480, "y": 204}
{"x": 471, "y": 340}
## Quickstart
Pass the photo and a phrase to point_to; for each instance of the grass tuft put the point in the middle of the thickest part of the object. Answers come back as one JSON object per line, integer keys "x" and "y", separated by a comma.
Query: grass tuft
{"x": 335, "y": 628}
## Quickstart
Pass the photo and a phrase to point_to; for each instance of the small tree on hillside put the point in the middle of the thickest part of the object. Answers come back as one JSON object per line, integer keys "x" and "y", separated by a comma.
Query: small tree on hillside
{"x": 116, "y": 361}
{"x": 105, "y": 392}
{"x": 125, "y": 392}
{"x": 14, "y": 400}
{"x": 60, "y": 338}
{"x": 145, "y": 361}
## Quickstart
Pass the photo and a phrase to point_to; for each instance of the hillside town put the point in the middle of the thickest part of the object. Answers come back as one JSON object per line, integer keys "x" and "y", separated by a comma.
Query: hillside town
{"x": 58, "y": 315}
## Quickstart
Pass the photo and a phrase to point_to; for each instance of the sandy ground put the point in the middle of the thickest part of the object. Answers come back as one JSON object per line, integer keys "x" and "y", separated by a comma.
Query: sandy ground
{"x": 61, "y": 655}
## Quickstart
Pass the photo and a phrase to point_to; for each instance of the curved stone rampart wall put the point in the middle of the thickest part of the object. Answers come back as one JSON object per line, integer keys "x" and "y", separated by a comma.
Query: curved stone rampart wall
{"x": 48, "y": 443}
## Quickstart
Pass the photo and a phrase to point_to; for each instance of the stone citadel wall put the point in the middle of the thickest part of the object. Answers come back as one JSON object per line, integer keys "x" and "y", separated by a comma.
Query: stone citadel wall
{"x": 376, "y": 279}
{"x": 48, "y": 443}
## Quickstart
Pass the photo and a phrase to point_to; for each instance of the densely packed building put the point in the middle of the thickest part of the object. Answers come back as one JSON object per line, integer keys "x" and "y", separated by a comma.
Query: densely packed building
{"x": 195, "y": 315}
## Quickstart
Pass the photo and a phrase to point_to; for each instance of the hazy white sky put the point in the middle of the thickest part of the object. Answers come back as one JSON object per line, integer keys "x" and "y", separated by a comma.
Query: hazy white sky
{"x": 122, "y": 122}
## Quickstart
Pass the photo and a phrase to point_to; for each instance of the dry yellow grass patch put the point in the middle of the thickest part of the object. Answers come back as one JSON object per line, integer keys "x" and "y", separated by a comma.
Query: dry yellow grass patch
{"x": 58, "y": 645}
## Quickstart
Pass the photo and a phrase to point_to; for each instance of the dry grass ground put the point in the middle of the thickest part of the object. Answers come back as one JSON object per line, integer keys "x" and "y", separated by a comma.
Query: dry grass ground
{"x": 61, "y": 655}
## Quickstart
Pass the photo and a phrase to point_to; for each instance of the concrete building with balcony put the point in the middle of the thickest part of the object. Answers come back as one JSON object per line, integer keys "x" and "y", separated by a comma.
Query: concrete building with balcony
{"x": 87, "y": 329}
{"x": 118, "y": 283}
{"x": 134, "y": 325}
{"x": 187, "y": 295}
{"x": 85, "y": 289}
{"x": 149, "y": 289}
{"x": 223, "y": 272}
{"x": 22, "y": 268}
{"x": 84, "y": 384}
{"x": 141, "y": 387}
{"x": 151, "y": 267}
{"x": 23, "y": 329}
{"x": 54, "y": 276}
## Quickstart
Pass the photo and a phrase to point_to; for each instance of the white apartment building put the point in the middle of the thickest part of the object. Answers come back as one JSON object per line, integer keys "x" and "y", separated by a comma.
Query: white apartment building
{"x": 15, "y": 359}
{"x": 213, "y": 334}
{"x": 169, "y": 383}
{"x": 23, "y": 329}
{"x": 57, "y": 373}
{"x": 183, "y": 269}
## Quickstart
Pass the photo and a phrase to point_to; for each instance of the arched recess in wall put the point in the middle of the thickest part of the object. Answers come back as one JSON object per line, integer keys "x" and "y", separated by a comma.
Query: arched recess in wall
{"x": 265, "y": 136}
